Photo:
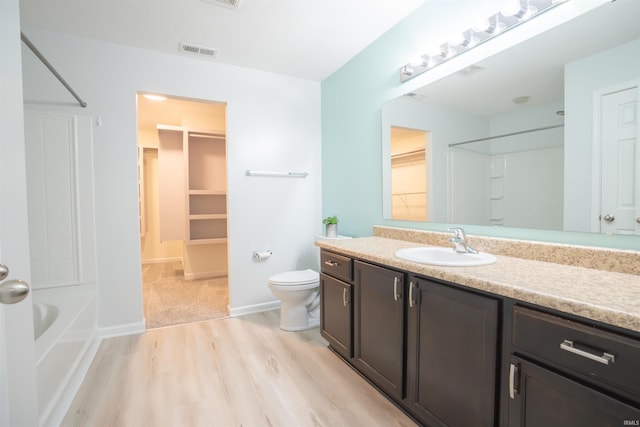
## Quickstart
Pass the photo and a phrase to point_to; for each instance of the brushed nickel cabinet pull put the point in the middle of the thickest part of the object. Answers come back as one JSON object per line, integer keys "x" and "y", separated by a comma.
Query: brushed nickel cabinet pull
{"x": 331, "y": 263}
{"x": 605, "y": 358}
{"x": 344, "y": 296}
{"x": 411, "y": 285}
{"x": 395, "y": 289}
{"x": 513, "y": 373}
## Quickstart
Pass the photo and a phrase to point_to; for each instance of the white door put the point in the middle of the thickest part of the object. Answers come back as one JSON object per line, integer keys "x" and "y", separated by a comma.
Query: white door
{"x": 620, "y": 198}
{"x": 18, "y": 396}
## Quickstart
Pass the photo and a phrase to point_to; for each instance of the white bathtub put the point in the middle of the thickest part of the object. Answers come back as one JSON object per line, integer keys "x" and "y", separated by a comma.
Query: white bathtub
{"x": 65, "y": 332}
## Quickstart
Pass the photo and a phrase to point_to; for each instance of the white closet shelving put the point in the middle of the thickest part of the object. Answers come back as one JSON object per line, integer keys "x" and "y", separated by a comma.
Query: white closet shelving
{"x": 193, "y": 180}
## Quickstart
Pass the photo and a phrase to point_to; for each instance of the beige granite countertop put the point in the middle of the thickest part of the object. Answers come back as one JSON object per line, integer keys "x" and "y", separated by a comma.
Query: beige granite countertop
{"x": 604, "y": 296}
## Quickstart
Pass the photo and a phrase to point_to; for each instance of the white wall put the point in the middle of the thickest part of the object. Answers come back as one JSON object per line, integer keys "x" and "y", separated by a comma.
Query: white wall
{"x": 273, "y": 123}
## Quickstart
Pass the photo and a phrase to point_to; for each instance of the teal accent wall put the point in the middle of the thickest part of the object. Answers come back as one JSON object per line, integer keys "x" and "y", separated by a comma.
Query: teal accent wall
{"x": 351, "y": 136}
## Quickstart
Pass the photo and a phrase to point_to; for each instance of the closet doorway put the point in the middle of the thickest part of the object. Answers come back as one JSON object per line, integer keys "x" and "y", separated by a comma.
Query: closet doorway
{"x": 182, "y": 183}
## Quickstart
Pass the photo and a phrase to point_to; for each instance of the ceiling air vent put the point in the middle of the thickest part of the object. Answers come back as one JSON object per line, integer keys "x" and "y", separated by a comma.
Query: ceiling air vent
{"x": 231, "y": 4}
{"x": 198, "y": 50}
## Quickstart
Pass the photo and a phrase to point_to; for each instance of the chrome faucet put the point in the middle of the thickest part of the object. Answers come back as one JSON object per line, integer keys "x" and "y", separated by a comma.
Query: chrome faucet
{"x": 460, "y": 243}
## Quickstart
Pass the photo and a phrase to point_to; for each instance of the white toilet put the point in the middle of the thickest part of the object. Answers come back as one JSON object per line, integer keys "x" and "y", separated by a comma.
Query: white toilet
{"x": 298, "y": 291}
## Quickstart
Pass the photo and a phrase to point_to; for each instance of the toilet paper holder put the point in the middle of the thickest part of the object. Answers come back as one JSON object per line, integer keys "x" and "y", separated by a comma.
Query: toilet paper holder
{"x": 262, "y": 255}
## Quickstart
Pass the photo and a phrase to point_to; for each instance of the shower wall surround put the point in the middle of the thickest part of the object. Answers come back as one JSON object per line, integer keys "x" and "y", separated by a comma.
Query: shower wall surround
{"x": 59, "y": 193}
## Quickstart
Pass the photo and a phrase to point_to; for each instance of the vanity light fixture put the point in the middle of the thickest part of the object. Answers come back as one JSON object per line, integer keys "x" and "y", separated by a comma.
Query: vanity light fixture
{"x": 513, "y": 13}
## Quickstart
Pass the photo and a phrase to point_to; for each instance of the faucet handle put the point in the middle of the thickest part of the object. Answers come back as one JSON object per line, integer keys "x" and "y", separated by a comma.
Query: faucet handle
{"x": 459, "y": 232}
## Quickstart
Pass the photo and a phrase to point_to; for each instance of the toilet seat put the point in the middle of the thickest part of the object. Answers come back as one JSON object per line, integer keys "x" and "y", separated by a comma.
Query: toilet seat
{"x": 293, "y": 278}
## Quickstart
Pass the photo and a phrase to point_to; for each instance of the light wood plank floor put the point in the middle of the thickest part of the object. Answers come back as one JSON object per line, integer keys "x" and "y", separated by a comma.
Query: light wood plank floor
{"x": 241, "y": 371}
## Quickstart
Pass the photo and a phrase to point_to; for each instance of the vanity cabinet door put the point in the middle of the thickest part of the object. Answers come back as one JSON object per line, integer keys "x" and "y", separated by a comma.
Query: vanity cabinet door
{"x": 452, "y": 347}
{"x": 336, "y": 316}
{"x": 542, "y": 398}
{"x": 379, "y": 326}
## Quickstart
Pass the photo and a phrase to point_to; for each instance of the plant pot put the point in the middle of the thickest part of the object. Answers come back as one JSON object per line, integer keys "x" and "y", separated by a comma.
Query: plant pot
{"x": 331, "y": 230}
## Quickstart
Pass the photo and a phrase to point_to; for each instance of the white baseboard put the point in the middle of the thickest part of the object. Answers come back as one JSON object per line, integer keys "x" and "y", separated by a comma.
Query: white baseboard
{"x": 122, "y": 330}
{"x": 160, "y": 260}
{"x": 256, "y": 308}
{"x": 205, "y": 275}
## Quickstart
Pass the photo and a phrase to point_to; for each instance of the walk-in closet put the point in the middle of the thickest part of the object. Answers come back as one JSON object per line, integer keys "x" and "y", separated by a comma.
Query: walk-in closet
{"x": 183, "y": 209}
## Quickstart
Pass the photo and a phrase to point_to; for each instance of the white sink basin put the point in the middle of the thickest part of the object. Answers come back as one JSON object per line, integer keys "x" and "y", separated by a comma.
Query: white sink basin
{"x": 444, "y": 256}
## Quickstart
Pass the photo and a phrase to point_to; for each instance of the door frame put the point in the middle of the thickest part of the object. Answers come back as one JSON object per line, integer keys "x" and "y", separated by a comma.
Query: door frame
{"x": 596, "y": 153}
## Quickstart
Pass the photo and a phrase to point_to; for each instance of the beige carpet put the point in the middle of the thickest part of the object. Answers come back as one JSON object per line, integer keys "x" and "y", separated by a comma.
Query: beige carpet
{"x": 170, "y": 300}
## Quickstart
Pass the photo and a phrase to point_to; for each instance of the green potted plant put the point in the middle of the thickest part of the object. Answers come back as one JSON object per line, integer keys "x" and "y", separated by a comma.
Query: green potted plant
{"x": 331, "y": 223}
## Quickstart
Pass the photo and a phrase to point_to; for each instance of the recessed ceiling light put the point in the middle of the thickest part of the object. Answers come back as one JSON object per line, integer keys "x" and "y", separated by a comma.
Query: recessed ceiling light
{"x": 154, "y": 97}
{"x": 521, "y": 100}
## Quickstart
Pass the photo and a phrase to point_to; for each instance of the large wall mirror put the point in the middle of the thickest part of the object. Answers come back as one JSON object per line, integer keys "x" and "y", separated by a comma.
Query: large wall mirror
{"x": 542, "y": 136}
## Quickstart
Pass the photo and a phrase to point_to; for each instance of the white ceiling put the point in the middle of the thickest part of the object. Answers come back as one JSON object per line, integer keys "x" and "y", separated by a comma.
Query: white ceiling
{"x": 309, "y": 39}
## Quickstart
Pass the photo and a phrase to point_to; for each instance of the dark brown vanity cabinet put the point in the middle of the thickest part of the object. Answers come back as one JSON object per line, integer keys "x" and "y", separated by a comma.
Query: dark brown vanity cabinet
{"x": 336, "y": 308}
{"x": 452, "y": 348}
{"x": 543, "y": 398}
{"x": 454, "y": 356}
{"x": 379, "y": 299}
{"x": 566, "y": 373}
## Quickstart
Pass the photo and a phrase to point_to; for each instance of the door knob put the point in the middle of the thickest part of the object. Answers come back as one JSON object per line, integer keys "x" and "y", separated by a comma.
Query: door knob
{"x": 12, "y": 291}
{"x": 609, "y": 218}
{"x": 638, "y": 220}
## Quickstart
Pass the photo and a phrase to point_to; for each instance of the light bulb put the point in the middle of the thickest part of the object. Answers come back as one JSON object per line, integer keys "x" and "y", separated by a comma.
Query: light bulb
{"x": 457, "y": 39}
{"x": 481, "y": 25}
{"x": 511, "y": 8}
{"x": 418, "y": 61}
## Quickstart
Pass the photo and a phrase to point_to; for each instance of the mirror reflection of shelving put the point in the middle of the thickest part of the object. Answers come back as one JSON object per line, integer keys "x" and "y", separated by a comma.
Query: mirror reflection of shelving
{"x": 207, "y": 199}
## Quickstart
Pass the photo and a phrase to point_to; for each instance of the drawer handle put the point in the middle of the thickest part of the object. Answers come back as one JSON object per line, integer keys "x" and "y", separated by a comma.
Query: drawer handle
{"x": 331, "y": 263}
{"x": 605, "y": 358}
{"x": 344, "y": 297}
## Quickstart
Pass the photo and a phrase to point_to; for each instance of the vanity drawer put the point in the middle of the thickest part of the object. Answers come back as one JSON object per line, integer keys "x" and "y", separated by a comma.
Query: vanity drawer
{"x": 338, "y": 266}
{"x": 601, "y": 355}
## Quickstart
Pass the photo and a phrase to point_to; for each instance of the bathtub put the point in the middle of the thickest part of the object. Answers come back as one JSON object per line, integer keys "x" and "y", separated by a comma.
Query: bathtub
{"x": 66, "y": 338}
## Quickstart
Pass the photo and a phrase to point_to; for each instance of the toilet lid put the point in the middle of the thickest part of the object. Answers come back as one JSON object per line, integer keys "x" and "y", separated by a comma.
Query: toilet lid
{"x": 298, "y": 277}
